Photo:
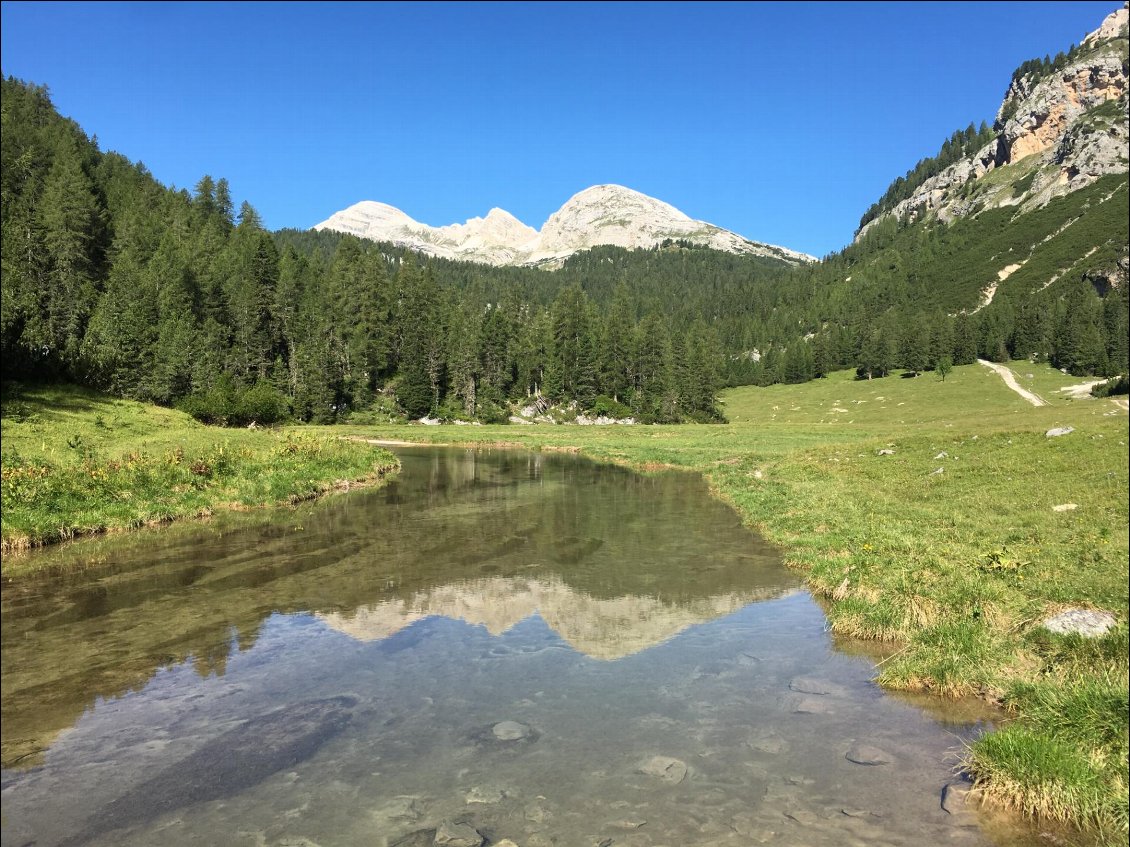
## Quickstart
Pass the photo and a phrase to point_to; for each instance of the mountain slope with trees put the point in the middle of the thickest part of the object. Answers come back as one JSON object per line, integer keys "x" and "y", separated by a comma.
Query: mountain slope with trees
{"x": 114, "y": 281}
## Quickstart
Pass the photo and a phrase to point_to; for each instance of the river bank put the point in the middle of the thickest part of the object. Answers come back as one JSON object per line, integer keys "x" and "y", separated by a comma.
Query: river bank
{"x": 931, "y": 516}
{"x": 77, "y": 463}
{"x": 938, "y": 517}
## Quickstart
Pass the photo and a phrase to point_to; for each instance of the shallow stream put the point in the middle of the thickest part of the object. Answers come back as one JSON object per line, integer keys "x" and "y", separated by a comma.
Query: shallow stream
{"x": 532, "y": 646}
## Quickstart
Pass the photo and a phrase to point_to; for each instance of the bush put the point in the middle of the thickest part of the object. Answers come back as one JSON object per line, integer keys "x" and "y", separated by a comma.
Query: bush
{"x": 1118, "y": 385}
{"x": 381, "y": 410}
{"x": 217, "y": 405}
{"x": 228, "y": 404}
{"x": 609, "y": 407}
{"x": 493, "y": 413}
{"x": 262, "y": 403}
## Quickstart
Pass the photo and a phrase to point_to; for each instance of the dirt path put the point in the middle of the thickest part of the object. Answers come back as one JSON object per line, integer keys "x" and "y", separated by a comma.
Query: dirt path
{"x": 1010, "y": 380}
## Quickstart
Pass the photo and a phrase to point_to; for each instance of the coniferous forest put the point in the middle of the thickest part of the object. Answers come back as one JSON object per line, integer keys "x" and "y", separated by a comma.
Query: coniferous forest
{"x": 114, "y": 281}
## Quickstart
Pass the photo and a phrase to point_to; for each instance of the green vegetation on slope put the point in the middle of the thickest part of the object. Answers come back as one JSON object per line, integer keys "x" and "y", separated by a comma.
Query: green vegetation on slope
{"x": 961, "y": 144}
{"x": 118, "y": 283}
{"x": 75, "y": 462}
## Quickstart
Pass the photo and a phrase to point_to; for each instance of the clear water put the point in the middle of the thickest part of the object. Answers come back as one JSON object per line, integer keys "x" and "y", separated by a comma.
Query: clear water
{"x": 544, "y": 649}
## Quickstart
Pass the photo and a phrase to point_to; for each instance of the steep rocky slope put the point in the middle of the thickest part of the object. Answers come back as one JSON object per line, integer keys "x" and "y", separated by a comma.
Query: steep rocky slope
{"x": 600, "y": 215}
{"x": 1058, "y": 130}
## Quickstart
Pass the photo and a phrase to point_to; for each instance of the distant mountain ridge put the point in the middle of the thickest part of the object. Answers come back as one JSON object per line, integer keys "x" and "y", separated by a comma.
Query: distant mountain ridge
{"x": 600, "y": 215}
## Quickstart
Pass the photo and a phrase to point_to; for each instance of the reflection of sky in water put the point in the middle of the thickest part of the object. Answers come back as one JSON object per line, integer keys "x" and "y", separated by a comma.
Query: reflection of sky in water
{"x": 730, "y": 698}
{"x": 442, "y": 628}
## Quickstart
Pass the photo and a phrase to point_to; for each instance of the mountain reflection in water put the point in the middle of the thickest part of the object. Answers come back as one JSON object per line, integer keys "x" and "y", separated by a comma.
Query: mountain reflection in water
{"x": 600, "y": 628}
{"x": 613, "y": 561}
{"x": 537, "y": 647}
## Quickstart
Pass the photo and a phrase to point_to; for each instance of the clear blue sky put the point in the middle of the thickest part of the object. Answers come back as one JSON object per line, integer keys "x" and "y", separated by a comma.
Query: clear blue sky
{"x": 780, "y": 121}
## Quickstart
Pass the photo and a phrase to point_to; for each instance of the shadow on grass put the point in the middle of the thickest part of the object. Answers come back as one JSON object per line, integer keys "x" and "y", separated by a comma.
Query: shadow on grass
{"x": 18, "y": 400}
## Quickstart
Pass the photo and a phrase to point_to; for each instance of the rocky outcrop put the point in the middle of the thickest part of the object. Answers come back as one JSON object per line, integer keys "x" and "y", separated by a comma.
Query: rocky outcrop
{"x": 601, "y": 215}
{"x": 1060, "y": 130}
{"x": 1038, "y": 110}
{"x": 1114, "y": 25}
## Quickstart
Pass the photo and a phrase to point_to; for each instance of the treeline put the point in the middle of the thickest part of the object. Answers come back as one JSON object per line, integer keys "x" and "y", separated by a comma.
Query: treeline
{"x": 114, "y": 281}
{"x": 1037, "y": 69}
{"x": 870, "y": 305}
{"x": 963, "y": 143}
{"x": 1076, "y": 331}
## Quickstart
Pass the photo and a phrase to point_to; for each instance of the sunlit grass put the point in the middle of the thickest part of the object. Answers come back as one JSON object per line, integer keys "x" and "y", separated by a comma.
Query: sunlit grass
{"x": 77, "y": 463}
{"x": 948, "y": 546}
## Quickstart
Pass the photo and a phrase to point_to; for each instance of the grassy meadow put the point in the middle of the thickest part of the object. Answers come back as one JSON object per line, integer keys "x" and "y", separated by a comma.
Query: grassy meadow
{"x": 948, "y": 546}
{"x": 75, "y": 462}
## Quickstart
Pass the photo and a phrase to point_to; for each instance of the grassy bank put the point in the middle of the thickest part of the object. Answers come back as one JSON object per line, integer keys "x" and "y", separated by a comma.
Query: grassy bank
{"x": 78, "y": 463}
{"x": 949, "y": 547}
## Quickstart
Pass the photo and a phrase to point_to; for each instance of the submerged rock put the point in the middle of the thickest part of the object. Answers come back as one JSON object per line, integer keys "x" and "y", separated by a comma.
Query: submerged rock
{"x": 451, "y": 834}
{"x": 485, "y": 795}
{"x": 419, "y": 838}
{"x": 813, "y": 705}
{"x": 867, "y": 754}
{"x": 233, "y": 762}
{"x": 666, "y": 768}
{"x": 510, "y": 731}
{"x": 811, "y": 685}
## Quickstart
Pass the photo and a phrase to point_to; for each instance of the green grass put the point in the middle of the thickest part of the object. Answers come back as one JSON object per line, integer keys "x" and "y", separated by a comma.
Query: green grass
{"x": 77, "y": 463}
{"x": 954, "y": 569}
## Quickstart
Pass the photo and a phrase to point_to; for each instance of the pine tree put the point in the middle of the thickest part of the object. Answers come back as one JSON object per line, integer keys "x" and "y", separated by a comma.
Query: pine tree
{"x": 251, "y": 260}
{"x": 421, "y": 341}
{"x": 174, "y": 356}
{"x": 204, "y": 197}
{"x": 651, "y": 375}
{"x": 495, "y": 355}
{"x": 964, "y": 340}
{"x": 572, "y": 367}
{"x": 615, "y": 346}
{"x": 120, "y": 342}
{"x": 915, "y": 346}
{"x": 223, "y": 204}
{"x": 68, "y": 217}
{"x": 463, "y": 358}
{"x": 798, "y": 365}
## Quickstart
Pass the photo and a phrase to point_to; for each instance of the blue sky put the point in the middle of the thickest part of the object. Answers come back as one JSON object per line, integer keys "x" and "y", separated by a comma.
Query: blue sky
{"x": 780, "y": 121}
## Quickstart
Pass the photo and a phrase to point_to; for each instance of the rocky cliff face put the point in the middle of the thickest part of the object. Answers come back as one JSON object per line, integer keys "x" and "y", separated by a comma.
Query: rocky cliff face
{"x": 603, "y": 214}
{"x": 1056, "y": 131}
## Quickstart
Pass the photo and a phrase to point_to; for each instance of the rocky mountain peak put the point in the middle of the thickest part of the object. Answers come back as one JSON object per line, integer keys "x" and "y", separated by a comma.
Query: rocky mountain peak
{"x": 600, "y": 215}
{"x": 1112, "y": 26}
